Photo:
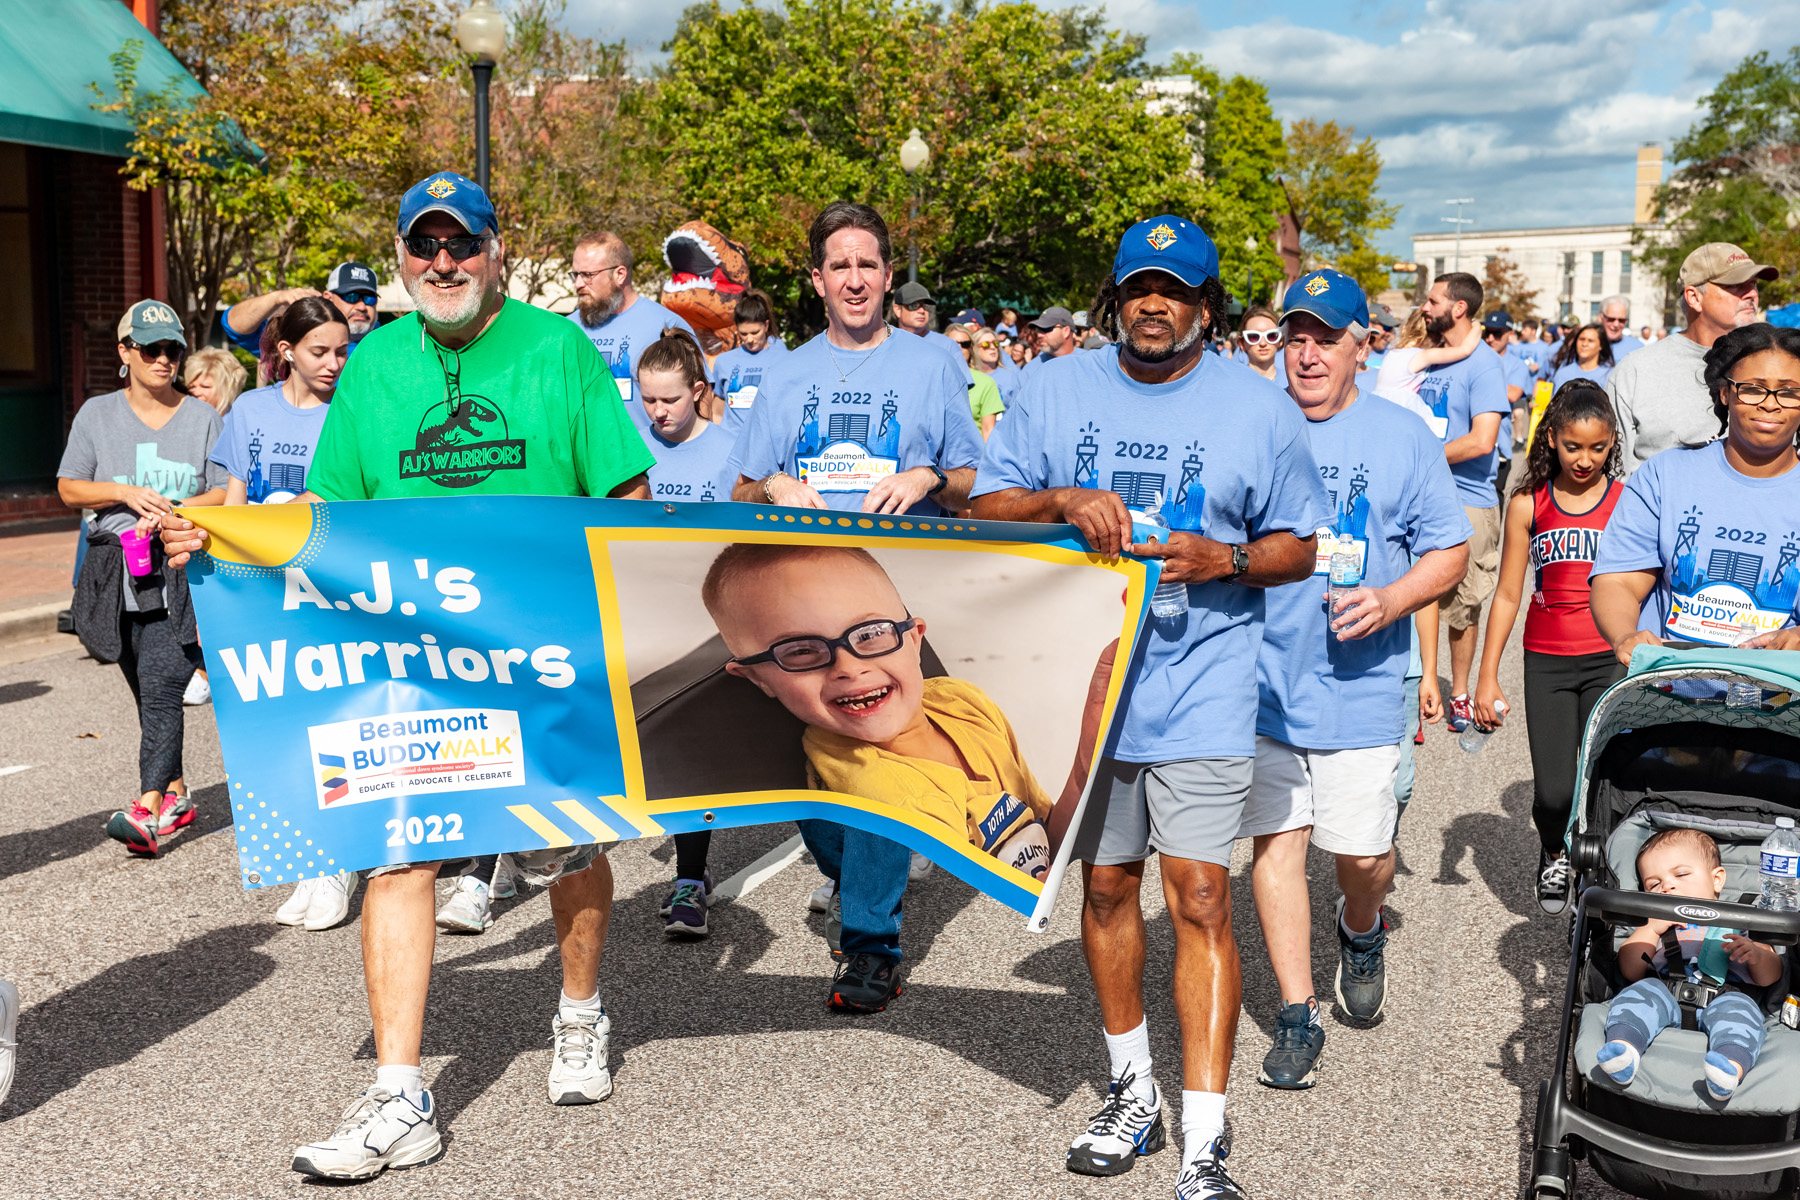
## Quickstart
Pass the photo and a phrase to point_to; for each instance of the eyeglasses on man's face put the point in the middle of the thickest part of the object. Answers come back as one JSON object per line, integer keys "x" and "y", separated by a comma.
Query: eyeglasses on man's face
{"x": 581, "y": 277}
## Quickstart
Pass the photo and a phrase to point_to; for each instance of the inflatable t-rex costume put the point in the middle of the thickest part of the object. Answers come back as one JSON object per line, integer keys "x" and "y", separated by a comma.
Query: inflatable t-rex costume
{"x": 707, "y": 273}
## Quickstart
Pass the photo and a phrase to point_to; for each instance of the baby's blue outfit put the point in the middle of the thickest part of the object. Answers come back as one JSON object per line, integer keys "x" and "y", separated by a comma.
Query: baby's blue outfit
{"x": 1733, "y": 1023}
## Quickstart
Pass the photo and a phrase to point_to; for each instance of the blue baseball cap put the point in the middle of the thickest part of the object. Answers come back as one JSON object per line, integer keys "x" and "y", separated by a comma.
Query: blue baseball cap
{"x": 1331, "y": 296}
{"x": 1170, "y": 244}
{"x": 452, "y": 194}
{"x": 150, "y": 321}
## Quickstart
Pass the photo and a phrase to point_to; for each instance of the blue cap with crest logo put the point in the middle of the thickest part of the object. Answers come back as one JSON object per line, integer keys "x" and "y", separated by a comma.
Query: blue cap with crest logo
{"x": 454, "y": 195}
{"x": 1167, "y": 243}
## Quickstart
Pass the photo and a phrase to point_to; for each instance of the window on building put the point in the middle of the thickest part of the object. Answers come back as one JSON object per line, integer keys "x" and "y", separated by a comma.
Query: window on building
{"x": 1594, "y": 309}
{"x": 1437, "y": 267}
{"x": 1625, "y": 271}
{"x": 18, "y": 318}
{"x": 1598, "y": 283}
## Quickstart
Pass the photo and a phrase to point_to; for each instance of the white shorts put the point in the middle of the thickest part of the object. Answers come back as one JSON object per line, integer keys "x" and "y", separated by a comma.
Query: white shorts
{"x": 1347, "y": 796}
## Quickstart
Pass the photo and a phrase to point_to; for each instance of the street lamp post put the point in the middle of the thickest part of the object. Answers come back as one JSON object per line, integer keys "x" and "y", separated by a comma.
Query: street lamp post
{"x": 1458, "y": 221}
{"x": 1250, "y": 272}
{"x": 914, "y": 154}
{"x": 481, "y": 32}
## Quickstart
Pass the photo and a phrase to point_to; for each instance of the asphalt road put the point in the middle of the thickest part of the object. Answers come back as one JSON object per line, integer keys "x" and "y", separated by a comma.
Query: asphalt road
{"x": 176, "y": 1042}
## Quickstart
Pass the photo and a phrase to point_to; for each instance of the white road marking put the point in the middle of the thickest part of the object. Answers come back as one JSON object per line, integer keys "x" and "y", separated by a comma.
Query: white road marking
{"x": 760, "y": 871}
{"x": 16, "y": 770}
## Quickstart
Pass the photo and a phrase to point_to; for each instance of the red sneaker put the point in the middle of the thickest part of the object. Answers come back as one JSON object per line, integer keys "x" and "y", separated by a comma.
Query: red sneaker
{"x": 137, "y": 829}
{"x": 1462, "y": 713}
{"x": 178, "y": 813}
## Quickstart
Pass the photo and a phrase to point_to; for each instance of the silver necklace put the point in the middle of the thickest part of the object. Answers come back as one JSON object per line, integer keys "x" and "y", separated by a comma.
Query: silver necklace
{"x": 843, "y": 375}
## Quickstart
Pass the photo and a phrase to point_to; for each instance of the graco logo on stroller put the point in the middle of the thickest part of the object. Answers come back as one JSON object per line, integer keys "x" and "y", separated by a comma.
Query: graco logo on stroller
{"x": 1695, "y": 913}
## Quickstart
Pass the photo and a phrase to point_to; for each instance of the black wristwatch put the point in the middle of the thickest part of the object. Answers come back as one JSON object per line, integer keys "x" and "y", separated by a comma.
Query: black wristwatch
{"x": 942, "y": 483}
{"x": 1240, "y": 563}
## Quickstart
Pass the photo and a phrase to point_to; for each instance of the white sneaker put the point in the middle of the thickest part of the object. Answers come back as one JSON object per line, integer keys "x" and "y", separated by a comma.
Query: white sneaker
{"x": 466, "y": 911}
{"x": 9, "y": 1025}
{"x": 293, "y": 911}
{"x": 198, "y": 691}
{"x": 578, "y": 1073}
{"x": 1125, "y": 1129}
{"x": 380, "y": 1130}
{"x": 331, "y": 900}
{"x": 820, "y": 900}
{"x": 504, "y": 886}
{"x": 918, "y": 868}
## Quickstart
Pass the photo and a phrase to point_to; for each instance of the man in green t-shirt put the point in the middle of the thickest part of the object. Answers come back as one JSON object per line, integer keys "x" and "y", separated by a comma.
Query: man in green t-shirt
{"x": 474, "y": 394}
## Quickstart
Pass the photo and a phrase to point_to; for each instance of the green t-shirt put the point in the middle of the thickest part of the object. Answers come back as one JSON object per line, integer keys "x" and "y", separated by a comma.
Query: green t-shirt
{"x": 984, "y": 396}
{"x": 529, "y": 408}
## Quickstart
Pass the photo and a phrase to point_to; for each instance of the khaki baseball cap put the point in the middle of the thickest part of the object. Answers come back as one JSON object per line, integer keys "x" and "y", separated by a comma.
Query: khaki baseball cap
{"x": 1722, "y": 262}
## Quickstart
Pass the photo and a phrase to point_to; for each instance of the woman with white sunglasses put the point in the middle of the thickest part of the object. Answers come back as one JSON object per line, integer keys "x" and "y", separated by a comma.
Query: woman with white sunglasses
{"x": 1259, "y": 339}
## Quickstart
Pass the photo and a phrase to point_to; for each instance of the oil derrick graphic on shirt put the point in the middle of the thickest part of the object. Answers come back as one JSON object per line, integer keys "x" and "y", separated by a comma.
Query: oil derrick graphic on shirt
{"x": 280, "y": 477}
{"x": 621, "y": 363}
{"x": 1353, "y": 513}
{"x": 808, "y": 442}
{"x": 1185, "y": 509}
{"x": 887, "y": 435}
{"x": 1087, "y": 458}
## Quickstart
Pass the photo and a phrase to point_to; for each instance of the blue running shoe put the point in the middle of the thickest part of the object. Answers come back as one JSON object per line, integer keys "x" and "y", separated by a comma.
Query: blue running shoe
{"x": 1361, "y": 973}
{"x": 1125, "y": 1128}
{"x": 1292, "y": 1063}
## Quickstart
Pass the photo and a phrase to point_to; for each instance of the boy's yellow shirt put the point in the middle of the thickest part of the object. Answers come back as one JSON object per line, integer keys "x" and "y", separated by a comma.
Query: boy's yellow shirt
{"x": 981, "y": 733}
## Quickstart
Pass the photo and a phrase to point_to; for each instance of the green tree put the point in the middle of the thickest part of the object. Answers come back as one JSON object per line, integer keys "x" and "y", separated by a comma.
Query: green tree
{"x": 1243, "y": 155}
{"x": 1739, "y": 175}
{"x": 1504, "y": 288}
{"x": 1332, "y": 183}
{"x": 1043, "y": 147}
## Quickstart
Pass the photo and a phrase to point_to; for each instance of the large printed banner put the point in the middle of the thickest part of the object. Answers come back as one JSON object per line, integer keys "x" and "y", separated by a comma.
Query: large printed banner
{"x": 415, "y": 680}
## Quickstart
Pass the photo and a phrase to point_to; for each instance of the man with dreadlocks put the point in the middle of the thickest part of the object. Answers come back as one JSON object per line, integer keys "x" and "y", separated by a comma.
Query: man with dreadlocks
{"x": 1221, "y": 454}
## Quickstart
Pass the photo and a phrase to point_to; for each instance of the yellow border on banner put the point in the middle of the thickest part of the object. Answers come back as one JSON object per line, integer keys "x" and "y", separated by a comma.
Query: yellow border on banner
{"x": 612, "y": 626}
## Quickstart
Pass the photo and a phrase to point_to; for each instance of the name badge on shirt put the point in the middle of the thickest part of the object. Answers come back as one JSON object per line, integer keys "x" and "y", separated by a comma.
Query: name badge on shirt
{"x": 624, "y": 383}
{"x": 744, "y": 397}
{"x": 1328, "y": 544}
{"x": 1721, "y": 614}
{"x": 846, "y": 467}
{"x": 1439, "y": 425}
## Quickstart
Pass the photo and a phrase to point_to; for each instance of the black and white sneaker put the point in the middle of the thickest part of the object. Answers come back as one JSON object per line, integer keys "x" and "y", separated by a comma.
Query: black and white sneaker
{"x": 1205, "y": 1177}
{"x": 1124, "y": 1128}
{"x": 1554, "y": 877}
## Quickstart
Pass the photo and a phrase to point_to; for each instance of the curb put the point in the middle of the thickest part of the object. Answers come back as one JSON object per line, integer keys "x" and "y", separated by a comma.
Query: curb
{"x": 33, "y": 624}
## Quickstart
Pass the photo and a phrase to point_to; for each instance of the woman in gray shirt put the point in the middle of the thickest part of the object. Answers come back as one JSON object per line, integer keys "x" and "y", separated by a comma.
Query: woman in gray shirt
{"x": 133, "y": 455}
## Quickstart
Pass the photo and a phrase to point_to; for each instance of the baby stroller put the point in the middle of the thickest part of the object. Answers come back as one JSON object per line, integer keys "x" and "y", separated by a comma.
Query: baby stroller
{"x": 1663, "y": 750}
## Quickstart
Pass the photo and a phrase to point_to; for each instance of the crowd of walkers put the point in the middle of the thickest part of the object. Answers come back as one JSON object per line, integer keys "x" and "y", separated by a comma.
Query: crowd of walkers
{"x": 1333, "y": 433}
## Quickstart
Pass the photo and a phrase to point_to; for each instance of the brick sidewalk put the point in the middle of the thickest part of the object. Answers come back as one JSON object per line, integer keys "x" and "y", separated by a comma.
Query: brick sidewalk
{"x": 36, "y": 564}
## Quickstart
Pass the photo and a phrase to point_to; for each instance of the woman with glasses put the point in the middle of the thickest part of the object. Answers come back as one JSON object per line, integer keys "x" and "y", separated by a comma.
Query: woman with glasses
{"x": 987, "y": 357}
{"x": 986, "y": 401}
{"x": 1704, "y": 543}
{"x": 1259, "y": 340}
{"x": 1587, "y": 355}
{"x": 132, "y": 456}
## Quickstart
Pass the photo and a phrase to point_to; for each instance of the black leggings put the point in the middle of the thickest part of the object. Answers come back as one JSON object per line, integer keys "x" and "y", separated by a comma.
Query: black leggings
{"x": 157, "y": 667}
{"x": 690, "y": 853}
{"x": 1560, "y": 691}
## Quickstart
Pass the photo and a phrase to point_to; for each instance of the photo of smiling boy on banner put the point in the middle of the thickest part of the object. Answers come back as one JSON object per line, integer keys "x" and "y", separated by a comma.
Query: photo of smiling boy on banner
{"x": 935, "y": 682}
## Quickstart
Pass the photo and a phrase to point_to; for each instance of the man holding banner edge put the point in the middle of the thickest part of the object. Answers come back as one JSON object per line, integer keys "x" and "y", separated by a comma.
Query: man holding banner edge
{"x": 411, "y": 420}
{"x": 1243, "y": 513}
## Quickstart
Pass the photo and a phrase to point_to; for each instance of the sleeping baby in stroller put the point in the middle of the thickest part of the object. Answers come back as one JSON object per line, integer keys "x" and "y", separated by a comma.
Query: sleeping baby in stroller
{"x": 1685, "y": 862}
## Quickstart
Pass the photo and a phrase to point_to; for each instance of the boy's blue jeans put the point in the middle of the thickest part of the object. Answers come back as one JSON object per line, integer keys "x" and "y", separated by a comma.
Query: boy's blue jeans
{"x": 1733, "y": 1024}
{"x": 871, "y": 876}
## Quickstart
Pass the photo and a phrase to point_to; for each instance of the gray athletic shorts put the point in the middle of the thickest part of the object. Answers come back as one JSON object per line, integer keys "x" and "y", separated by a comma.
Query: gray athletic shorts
{"x": 1187, "y": 808}
{"x": 541, "y": 867}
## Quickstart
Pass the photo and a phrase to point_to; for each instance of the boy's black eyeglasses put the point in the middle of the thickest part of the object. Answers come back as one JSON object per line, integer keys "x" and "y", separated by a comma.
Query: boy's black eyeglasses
{"x": 871, "y": 639}
{"x": 460, "y": 248}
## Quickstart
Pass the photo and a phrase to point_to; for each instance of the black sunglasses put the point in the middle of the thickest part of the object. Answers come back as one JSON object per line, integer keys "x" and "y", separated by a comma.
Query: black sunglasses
{"x": 871, "y": 639}
{"x": 169, "y": 350}
{"x": 460, "y": 248}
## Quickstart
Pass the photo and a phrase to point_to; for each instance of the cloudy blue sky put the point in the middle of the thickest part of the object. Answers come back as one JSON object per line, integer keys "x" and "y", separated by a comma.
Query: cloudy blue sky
{"x": 1535, "y": 107}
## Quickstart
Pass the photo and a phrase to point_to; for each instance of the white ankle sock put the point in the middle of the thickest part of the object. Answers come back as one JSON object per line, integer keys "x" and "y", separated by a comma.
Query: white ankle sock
{"x": 1344, "y": 924}
{"x": 402, "y": 1081}
{"x": 571, "y": 1008}
{"x": 1202, "y": 1120}
{"x": 1130, "y": 1052}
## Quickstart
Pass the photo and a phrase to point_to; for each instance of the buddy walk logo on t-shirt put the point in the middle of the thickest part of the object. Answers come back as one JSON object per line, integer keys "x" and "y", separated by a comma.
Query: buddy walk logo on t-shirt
{"x": 844, "y": 457}
{"x": 1140, "y": 483}
{"x": 1746, "y": 587}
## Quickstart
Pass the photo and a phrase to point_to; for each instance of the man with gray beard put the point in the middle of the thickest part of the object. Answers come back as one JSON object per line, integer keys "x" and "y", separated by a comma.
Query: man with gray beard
{"x": 350, "y": 286}
{"x": 473, "y": 394}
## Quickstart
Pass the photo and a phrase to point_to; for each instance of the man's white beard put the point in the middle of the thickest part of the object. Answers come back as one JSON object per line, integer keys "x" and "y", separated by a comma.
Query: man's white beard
{"x": 598, "y": 312}
{"x": 360, "y": 329}
{"x": 448, "y": 313}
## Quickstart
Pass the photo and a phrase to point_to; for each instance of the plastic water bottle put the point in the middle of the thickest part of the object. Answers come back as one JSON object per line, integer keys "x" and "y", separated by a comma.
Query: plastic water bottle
{"x": 1743, "y": 695}
{"x": 1474, "y": 739}
{"x": 1345, "y": 577}
{"x": 1781, "y": 868}
{"x": 1169, "y": 599}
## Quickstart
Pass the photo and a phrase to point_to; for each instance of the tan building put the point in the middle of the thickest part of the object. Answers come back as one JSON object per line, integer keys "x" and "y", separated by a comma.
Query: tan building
{"x": 1572, "y": 268}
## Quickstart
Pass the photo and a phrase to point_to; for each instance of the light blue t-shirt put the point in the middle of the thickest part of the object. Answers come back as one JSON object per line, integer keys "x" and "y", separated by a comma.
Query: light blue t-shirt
{"x": 1533, "y": 354}
{"x": 269, "y": 444}
{"x": 1224, "y": 453}
{"x": 737, "y": 378}
{"x": 1007, "y": 381}
{"x": 622, "y": 339}
{"x": 1395, "y": 499}
{"x": 1724, "y": 545}
{"x": 1574, "y": 370}
{"x": 1281, "y": 375}
{"x": 1516, "y": 375}
{"x": 1625, "y": 345}
{"x": 943, "y": 342}
{"x": 839, "y": 420}
{"x": 1456, "y": 393}
{"x": 694, "y": 469}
